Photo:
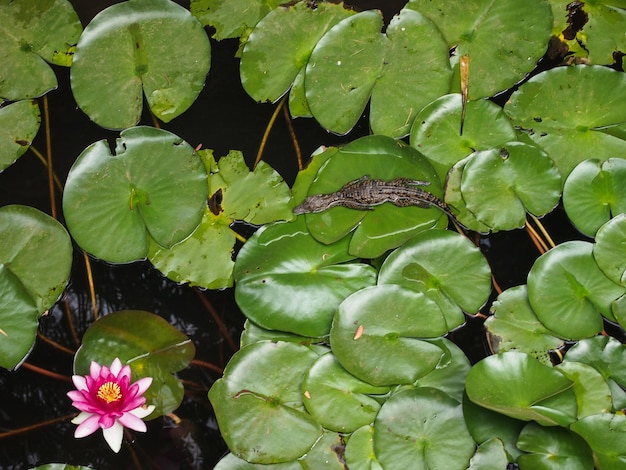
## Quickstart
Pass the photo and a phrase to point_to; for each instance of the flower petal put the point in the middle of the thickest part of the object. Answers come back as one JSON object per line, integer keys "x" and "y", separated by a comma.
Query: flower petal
{"x": 88, "y": 426}
{"x": 143, "y": 384}
{"x": 80, "y": 417}
{"x": 114, "y": 436}
{"x": 116, "y": 366}
{"x": 94, "y": 369}
{"x": 142, "y": 411}
{"x": 79, "y": 382}
{"x": 133, "y": 422}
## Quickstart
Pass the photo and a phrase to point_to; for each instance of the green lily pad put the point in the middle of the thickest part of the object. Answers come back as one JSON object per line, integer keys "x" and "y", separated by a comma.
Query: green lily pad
{"x": 422, "y": 428}
{"x": 558, "y": 110}
{"x": 569, "y": 293}
{"x": 378, "y": 335}
{"x": 19, "y": 123}
{"x": 280, "y": 44}
{"x": 593, "y": 394}
{"x": 514, "y": 325}
{"x": 444, "y": 266}
{"x": 497, "y": 383}
{"x": 602, "y": 33}
{"x": 606, "y": 435}
{"x": 436, "y": 130}
{"x": 252, "y": 333}
{"x": 504, "y": 39}
{"x": 327, "y": 453}
{"x": 359, "y": 452}
{"x": 153, "y": 186}
{"x": 490, "y": 455}
{"x": 486, "y": 425}
{"x": 32, "y": 34}
{"x": 354, "y": 61}
{"x": 231, "y": 18}
{"x": 285, "y": 280}
{"x": 262, "y": 385}
{"x": 148, "y": 344}
{"x": 259, "y": 196}
{"x": 610, "y": 249}
{"x": 35, "y": 264}
{"x": 154, "y": 46}
{"x": 553, "y": 447}
{"x": 499, "y": 186}
{"x": 205, "y": 258}
{"x": 232, "y": 462}
{"x": 594, "y": 192}
{"x": 386, "y": 226}
{"x": 608, "y": 356}
{"x": 338, "y": 400}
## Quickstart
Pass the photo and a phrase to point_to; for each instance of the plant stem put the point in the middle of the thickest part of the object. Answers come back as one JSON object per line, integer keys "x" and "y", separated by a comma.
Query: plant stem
{"x": 46, "y": 114}
{"x": 266, "y": 134}
{"x": 47, "y": 373}
{"x": 294, "y": 139}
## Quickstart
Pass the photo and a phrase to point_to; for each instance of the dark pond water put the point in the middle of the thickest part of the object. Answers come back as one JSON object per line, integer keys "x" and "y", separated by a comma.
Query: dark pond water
{"x": 223, "y": 118}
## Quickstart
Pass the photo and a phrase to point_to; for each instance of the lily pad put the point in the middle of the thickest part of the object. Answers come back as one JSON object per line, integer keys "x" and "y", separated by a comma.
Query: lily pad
{"x": 569, "y": 293}
{"x": 422, "y": 428}
{"x": 606, "y": 435}
{"x": 444, "y": 266}
{"x": 378, "y": 335}
{"x": 32, "y": 35}
{"x": 497, "y": 383}
{"x": 436, "y": 131}
{"x": 354, "y": 61}
{"x": 610, "y": 249}
{"x": 359, "y": 451}
{"x": 594, "y": 192}
{"x": 593, "y": 394}
{"x": 514, "y": 325}
{"x": 558, "y": 110}
{"x": 35, "y": 263}
{"x": 553, "y": 447}
{"x": 286, "y": 280}
{"x": 153, "y": 186}
{"x": 499, "y": 186}
{"x": 262, "y": 385}
{"x": 338, "y": 400}
{"x": 503, "y": 39}
{"x": 386, "y": 226}
{"x": 19, "y": 123}
{"x": 148, "y": 344}
{"x": 490, "y": 455}
{"x": 154, "y": 48}
{"x": 231, "y": 18}
{"x": 280, "y": 44}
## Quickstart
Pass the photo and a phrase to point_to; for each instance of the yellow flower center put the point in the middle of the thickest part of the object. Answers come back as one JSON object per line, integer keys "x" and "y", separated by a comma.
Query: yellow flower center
{"x": 109, "y": 392}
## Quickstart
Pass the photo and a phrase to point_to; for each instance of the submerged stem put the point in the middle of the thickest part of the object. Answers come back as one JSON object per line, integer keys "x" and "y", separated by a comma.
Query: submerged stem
{"x": 266, "y": 134}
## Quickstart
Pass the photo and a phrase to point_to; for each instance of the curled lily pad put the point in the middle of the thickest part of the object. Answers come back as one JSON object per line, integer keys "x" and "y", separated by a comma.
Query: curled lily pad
{"x": 593, "y": 394}
{"x": 148, "y": 344}
{"x": 153, "y": 186}
{"x": 594, "y": 192}
{"x": 436, "y": 131}
{"x": 337, "y": 399}
{"x": 154, "y": 48}
{"x": 514, "y": 325}
{"x": 288, "y": 281}
{"x": 280, "y": 44}
{"x": 19, "y": 123}
{"x": 609, "y": 250}
{"x": 32, "y": 34}
{"x": 35, "y": 263}
{"x": 262, "y": 384}
{"x": 385, "y": 226}
{"x": 444, "y": 266}
{"x": 232, "y": 18}
{"x": 378, "y": 335}
{"x": 500, "y": 185}
{"x": 551, "y": 447}
{"x": 504, "y": 39}
{"x": 354, "y": 61}
{"x": 496, "y": 383}
{"x": 558, "y": 110}
{"x": 569, "y": 293}
{"x": 422, "y": 428}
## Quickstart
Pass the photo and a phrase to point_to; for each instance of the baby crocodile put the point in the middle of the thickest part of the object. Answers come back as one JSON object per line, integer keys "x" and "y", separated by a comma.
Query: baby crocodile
{"x": 364, "y": 193}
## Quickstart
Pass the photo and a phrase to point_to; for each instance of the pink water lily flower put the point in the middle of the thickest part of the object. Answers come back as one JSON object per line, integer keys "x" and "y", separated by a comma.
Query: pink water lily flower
{"x": 106, "y": 399}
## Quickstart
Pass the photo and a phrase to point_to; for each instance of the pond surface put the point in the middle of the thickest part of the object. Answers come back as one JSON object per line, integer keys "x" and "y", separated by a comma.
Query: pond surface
{"x": 223, "y": 118}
